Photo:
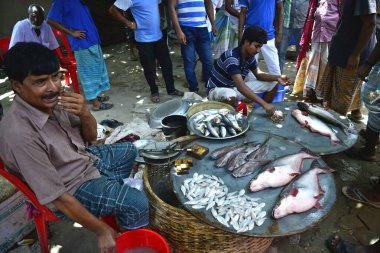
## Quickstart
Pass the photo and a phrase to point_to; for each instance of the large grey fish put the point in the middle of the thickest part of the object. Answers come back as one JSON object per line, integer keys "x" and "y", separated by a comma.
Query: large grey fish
{"x": 261, "y": 152}
{"x": 315, "y": 125}
{"x": 324, "y": 115}
{"x": 222, "y": 161}
{"x": 301, "y": 194}
{"x": 248, "y": 167}
{"x": 240, "y": 159}
{"x": 230, "y": 121}
{"x": 217, "y": 153}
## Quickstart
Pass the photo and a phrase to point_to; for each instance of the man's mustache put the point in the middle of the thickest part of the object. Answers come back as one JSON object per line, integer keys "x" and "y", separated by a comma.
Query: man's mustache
{"x": 50, "y": 95}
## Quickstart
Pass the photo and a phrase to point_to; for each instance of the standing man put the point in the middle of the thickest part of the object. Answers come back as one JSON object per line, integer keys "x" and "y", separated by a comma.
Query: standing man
{"x": 34, "y": 29}
{"x": 74, "y": 18}
{"x": 264, "y": 14}
{"x": 149, "y": 41}
{"x": 295, "y": 12}
{"x": 189, "y": 21}
{"x": 350, "y": 47}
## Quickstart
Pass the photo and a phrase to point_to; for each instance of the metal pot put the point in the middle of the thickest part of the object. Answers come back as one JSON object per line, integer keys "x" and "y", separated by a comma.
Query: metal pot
{"x": 174, "y": 126}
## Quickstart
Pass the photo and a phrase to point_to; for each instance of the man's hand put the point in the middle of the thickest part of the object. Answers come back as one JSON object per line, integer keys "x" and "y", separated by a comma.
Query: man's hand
{"x": 73, "y": 103}
{"x": 107, "y": 240}
{"x": 181, "y": 38}
{"x": 80, "y": 34}
{"x": 284, "y": 80}
{"x": 353, "y": 62}
{"x": 132, "y": 25}
{"x": 269, "y": 108}
{"x": 214, "y": 30}
{"x": 278, "y": 39}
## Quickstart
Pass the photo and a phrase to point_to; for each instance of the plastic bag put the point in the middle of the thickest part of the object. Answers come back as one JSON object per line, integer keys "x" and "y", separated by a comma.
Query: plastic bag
{"x": 300, "y": 78}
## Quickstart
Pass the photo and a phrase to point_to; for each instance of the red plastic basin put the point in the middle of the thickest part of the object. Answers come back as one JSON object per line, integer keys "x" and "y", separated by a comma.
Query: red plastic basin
{"x": 141, "y": 238}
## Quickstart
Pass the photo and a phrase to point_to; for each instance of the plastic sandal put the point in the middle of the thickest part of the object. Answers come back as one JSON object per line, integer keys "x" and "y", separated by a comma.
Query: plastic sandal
{"x": 103, "y": 98}
{"x": 102, "y": 107}
{"x": 355, "y": 193}
{"x": 176, "y": 93}
{"x": 155, "y": 99}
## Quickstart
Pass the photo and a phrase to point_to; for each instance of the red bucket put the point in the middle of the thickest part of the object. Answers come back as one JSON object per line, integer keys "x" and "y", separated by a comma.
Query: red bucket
{"x": 141, "y": 238}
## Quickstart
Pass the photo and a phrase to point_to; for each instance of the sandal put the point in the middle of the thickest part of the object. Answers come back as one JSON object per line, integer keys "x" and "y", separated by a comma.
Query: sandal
{"x": 355, "y": 193}
{"x": 102, "y": 107}
{"x": 155, "y": 98}
{"x": 103, "y": 98}
{"x": 176, "y": 93}
{"x": 361, "y": 155}
{"x": 112, "y": 123}
{"x": 335, "y": 244}
{"x": 355, "y": 118}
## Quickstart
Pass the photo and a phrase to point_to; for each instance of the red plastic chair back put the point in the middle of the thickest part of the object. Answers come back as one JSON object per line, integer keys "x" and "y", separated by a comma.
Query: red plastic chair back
{"x": 67, "y": 60}
{"x": 4, "y": 46}
{"x": 242, "y": 107}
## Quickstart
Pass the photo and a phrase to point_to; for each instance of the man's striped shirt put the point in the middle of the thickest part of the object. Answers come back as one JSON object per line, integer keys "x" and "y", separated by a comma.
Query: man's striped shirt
{"x": 230, "y": 63}
{"x": 191, "y": 13}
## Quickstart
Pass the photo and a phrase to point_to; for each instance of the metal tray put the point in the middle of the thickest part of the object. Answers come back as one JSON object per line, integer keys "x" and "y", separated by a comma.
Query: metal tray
{"x": 242, "y": 121}
{"x": 288, "y": 225}
{"x": 292, "y": 130}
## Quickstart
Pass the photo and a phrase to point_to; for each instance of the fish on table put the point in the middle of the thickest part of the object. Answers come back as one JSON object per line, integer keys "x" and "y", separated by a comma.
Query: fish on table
{"x": 249, "y": 167}
{"x": 324, "y": 115}
{"x": 302, "y": 194}
{"x": 315, "y": 125}
{"x": 281, "y": 171}
{"x": 241, "y": 158}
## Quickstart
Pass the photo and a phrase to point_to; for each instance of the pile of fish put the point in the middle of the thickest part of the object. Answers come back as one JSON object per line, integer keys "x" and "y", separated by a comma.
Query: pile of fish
{"x": 233, "y": 210}
{"x": 241, "y": 159}
{"x": 219, "y": 125}
{"x": 302, "y": 194}
{"x": 315, "y": 118}
{"x": 281, "y": 172}
{"x": 278, "y": 116}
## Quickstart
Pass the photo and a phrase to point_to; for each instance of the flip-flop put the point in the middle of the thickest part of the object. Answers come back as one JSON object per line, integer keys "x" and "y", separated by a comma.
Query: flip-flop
{"x": 102, "y": 107}
{"x": 356, "y": 119}
{"x": 176, "y": 93}
{"x": 155, "y": 99}
{"x": 354, "y": 193}
{"x": 112, "y": 123}
{"x": 103, "y": 98}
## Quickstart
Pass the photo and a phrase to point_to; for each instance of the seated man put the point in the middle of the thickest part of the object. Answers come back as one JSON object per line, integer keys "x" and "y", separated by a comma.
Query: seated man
{"x": 34, "y": 29}
{"x": 43, "y": 140}
{"x": 227, "y": 80}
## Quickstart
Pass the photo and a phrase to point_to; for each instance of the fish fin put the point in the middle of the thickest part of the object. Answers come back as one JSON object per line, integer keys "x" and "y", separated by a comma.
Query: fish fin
{"x": 304, "y": 113}
{"x": 293, "y": 192}
{"x": 303, "y": 125}
{"x": 306, "y": 123}
{"x": 318, "y": 205}
{"x": 271, "y": 169}
{"x": 294, "y": 174}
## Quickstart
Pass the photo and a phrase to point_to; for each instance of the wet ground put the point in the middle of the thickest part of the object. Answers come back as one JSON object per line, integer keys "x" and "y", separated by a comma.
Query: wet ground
{"x": 354, "y": 222}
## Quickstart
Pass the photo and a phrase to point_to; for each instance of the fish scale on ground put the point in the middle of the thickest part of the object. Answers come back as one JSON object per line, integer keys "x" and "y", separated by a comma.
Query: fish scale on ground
{"x": 233, "y": 209}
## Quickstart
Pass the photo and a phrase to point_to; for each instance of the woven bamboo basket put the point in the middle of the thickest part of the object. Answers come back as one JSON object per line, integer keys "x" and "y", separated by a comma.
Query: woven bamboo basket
{"x": 183, "y": 231}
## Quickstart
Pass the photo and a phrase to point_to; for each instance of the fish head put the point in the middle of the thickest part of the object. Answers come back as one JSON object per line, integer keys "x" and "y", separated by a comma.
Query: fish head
{"x": 303, "y": 106}
{"x": 280, "y": 210}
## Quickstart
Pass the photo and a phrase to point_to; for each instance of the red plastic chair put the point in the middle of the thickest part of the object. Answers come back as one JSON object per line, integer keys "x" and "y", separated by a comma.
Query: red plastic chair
{"x": 67, "y": 61}
{"x": 4, "y": 46}
{"x": 43, "y": 214}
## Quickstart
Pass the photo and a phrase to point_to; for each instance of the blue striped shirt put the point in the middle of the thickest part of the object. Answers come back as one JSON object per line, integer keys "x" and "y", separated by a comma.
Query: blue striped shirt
{"x": 230, "y": 63}
{"x": 191, "y": 13}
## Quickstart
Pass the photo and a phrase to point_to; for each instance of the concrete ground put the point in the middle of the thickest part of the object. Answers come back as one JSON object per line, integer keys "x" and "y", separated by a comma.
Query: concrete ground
{"x": 354, "y": 222}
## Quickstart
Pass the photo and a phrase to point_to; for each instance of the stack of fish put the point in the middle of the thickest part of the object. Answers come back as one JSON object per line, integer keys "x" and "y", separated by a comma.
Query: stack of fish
{"x": 222, "y": 124}
{"x": 242, "y": 159}
{"x": 314, "y": 118}
{"x": 235, "y": 209}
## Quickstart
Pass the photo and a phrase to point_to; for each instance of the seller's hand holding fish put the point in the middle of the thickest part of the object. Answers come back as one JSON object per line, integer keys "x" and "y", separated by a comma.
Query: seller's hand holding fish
{"x": 269, "y": 108}
{"x": 284, "y": 80}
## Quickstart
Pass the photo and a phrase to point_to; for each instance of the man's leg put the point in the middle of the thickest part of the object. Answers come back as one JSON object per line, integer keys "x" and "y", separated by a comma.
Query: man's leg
{"x": 115, "y": 160}
{"x": 188, "y": 55}
{"x": 161, "y": 52}
{"x": 268, "y": 88}
{"x": 297, "y": 34}
{"x": 284, "y": 47}
{"x": 270, "y": 55}
{"x": 203, "y": 48}
{"x": 147, "y": 60}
